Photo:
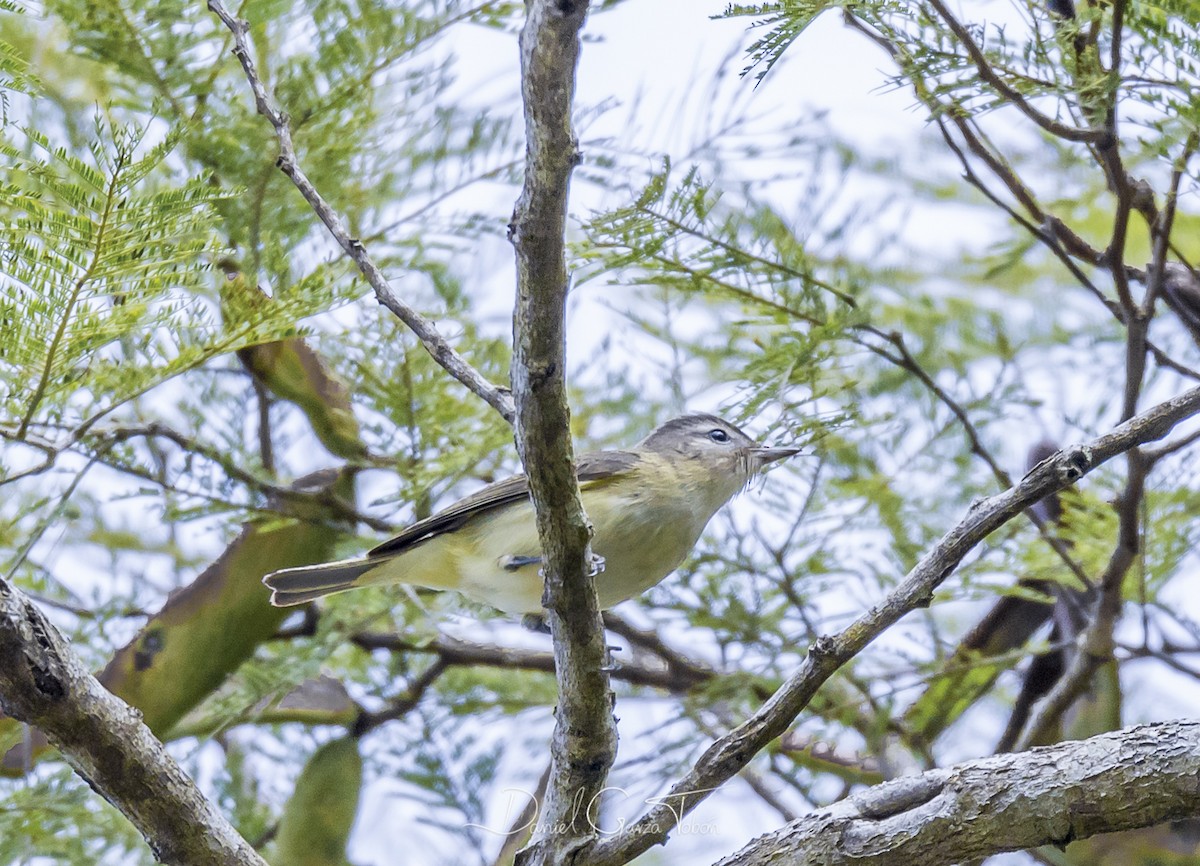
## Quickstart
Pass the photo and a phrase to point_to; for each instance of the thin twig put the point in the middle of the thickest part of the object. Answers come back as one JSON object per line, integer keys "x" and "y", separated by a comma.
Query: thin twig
{"x": 1096, "y": 643}
{"x": 403, "y": 705}
{"x": 452, "y": 651}
{"x": 522, "y": 824}
{"x": 989, "y": 76}
{"x": 433, "y": 341}
{"x": 1160, "y": 229}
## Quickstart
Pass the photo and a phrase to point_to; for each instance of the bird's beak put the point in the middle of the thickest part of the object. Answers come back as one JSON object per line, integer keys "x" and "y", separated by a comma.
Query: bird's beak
{"x": 764, "y": 456}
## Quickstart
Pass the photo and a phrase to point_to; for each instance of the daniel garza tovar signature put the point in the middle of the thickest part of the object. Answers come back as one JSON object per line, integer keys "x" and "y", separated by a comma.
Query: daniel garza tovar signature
{"x": 524, "y": 806}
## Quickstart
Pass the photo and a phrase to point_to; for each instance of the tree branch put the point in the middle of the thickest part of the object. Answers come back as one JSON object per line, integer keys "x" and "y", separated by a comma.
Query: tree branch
{"x": 1094, "y": 647}
{"x": 988, "y": 75}
{"x": 1048, "y": 796}
{"x": 433, "y": 341}
{"x": 733, "y": 751}
{"x": 677, "y": 675}
{"x": 402, "y": 705}
{"x": 43, "y": 683}
{"x": 584, "y": 743}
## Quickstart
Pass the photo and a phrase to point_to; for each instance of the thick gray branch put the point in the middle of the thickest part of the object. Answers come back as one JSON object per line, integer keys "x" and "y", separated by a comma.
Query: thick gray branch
{"x": 584, "y": 742}
{"x": 1048, "y": 796}
{"x": 433, "y": 341}
{"x": 733, "y": 751}
{"x": 43, "y": 683}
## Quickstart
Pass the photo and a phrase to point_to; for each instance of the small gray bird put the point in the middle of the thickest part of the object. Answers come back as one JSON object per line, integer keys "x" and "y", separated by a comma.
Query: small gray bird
{"x": 647, "y": 505}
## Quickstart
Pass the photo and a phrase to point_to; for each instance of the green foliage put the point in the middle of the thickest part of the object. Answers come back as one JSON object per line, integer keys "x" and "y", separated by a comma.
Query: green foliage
{"x": 15, "y": 75}
{"x": 450, "y": 778}
{"x": 102, "y": 277}
{"x": 680, "y": 238}
{"x": 238, "y": 793}
{"x": 436, "y": 432}
{"x": 785, "y": 22}
{"x": 60, "y": 818}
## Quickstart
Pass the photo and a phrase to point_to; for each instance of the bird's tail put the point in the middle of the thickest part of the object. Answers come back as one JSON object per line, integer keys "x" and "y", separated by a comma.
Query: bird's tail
{"x": 299, "y": 585}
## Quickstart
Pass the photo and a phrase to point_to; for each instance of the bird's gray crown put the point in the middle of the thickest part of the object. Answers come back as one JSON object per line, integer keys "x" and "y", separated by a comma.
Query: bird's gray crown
{"x": 690, "y": 430}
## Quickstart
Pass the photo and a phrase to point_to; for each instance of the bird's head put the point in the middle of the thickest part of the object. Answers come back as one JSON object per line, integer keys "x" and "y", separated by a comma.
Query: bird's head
{"x": 709, "y": 443}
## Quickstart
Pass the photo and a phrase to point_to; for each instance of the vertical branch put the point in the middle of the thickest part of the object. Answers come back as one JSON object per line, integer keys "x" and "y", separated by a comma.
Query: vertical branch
{"x": 584, "y": 742}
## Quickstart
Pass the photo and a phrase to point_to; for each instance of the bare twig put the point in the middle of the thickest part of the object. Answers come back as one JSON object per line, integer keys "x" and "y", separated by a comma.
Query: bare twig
{"x": 1052, "y": 232}
{"x": 984, "y": 67}
{"x": 1095, "y": 645}
{"x": 747, "y": 256}
{"x": 681, "y": 667}
{"x": 437, "y": 346}
{"x": 1047, "y": 228}
{"x": 519, "y": 829}
{"x": 1153, "y": 455}
{"x": 401, "y": 706}
{"x": 452, "y": 651}
{"x": 732, "y": 752}
{"x": 1160, "y": 229}
{"x": 906, "y": 361}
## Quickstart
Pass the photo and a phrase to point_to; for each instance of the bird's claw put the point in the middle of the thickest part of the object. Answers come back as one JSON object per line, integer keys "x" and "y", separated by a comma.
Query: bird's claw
{"x": 610, "y": 664}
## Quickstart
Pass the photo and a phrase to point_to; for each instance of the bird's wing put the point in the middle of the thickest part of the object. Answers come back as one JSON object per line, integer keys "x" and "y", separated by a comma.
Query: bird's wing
{"x": 597, "y": 466}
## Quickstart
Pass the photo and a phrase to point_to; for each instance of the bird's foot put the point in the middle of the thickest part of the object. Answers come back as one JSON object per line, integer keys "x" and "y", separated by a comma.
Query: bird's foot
{"x": 596, "y": 566}
{"x": 610, "y": 663}
{"x": 536, "y": 622}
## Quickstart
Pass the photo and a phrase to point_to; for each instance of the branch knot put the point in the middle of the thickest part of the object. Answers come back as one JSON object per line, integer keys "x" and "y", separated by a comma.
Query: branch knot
{"x": 1076, "y": 463}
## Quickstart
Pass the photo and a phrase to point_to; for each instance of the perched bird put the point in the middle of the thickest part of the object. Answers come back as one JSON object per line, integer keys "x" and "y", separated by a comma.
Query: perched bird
{"x": 647, "y": 505}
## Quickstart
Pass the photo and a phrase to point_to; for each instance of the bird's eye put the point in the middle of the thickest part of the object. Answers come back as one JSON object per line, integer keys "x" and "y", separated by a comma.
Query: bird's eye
{"x": 718, "y": 435}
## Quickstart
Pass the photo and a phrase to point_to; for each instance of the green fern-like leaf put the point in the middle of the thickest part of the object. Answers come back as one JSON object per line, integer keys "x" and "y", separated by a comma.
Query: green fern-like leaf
{"x": 100, "y": 269}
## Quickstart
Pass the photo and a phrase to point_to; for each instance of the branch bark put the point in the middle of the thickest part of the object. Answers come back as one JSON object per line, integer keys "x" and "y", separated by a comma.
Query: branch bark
{"x": 1048, "y": 796}
{"x": 729, "y": 754}
{"x": 43, "y": 683}
{"x": 584, "y": 742}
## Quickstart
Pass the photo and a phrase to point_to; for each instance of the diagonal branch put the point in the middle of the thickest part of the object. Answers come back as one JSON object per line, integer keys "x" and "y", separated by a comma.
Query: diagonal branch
{"x": 984, "y": 67}
{"x": 733, "y": 751}
{"x": 1048, "y": 796}
{"x": 433, "y": 341}
{"x": 43, "y": 683}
